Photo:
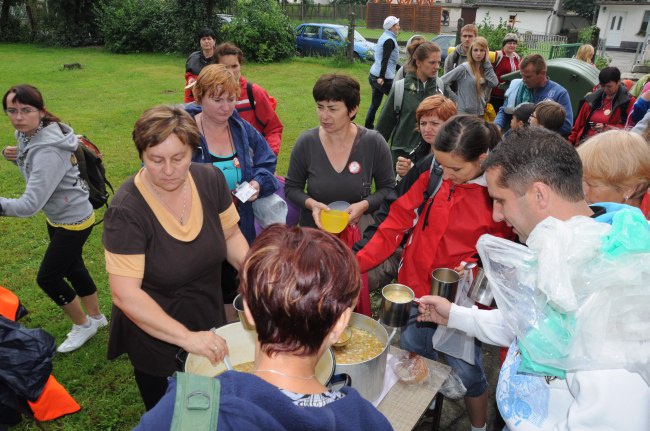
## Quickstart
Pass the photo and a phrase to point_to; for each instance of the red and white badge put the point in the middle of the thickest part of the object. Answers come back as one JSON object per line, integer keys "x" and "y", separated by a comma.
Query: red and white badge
{"x": 354, "y": 167}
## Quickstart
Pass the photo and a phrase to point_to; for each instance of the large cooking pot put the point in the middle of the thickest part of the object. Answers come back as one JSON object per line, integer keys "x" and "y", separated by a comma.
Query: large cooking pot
{"x": 241, "y": 345}
{"x": 368, "y": 376}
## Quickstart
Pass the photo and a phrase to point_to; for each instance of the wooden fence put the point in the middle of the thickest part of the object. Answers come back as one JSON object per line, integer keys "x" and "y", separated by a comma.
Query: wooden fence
{"x": 317, "y": 12}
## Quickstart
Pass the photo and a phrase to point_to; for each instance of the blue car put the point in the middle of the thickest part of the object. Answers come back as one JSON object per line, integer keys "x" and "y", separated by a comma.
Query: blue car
{"x": 328, "y": 39}
{"x": 445, "y": 41}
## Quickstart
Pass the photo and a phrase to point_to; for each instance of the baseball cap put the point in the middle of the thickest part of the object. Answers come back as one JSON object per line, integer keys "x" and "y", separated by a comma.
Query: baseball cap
{"x": 390, "y": 21}
{"x": 523, "y": 111}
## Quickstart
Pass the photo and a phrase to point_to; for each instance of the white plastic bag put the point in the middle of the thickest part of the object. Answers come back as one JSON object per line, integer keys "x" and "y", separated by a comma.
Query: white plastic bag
{"x": 270, "y": 209}
{"x": 455, "y": 342}
{"x": 572, "y": 305}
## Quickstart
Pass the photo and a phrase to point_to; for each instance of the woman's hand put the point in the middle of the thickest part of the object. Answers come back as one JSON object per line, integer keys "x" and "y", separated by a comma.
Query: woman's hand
{"x": 206, "y": 343}
{"x": 254, "y": 184}
{"x": 356, "y": 211}
{"x": 434, "y": 309}
{"x": 10, "y": 153}
{"x": 402, "y": 166}
{"x": 316, "y": 207}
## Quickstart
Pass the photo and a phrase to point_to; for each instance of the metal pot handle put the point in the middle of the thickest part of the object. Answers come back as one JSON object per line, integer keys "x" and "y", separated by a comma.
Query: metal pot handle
{"x": 338, "y": 381}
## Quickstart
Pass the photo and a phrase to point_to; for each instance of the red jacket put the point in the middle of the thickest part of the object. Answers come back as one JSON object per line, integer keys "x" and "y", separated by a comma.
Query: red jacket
{"x": 592, "y": 102}
{"x": 263, "y": 118}
{"x": 502, "y": 66}
{"x": 446, "y": 233}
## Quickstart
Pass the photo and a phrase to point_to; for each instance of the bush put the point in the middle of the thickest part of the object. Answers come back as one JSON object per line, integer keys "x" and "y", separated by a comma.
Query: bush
{"x": 261, "y": 30}
{"x": 585, "y": 34}
{"x": 69, "y": 23}
{"x": 495, "y": 34}
{"x": 152, "y": 25}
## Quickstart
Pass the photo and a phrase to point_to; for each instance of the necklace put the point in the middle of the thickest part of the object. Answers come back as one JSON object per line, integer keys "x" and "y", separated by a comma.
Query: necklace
{"x": 285, "y": 375}
{"x": 181, "y": 218}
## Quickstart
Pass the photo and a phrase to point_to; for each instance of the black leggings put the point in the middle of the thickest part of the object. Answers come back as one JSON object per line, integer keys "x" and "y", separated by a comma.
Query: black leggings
{"x": 63, "y": 260}
{"x": 152, "y": 388}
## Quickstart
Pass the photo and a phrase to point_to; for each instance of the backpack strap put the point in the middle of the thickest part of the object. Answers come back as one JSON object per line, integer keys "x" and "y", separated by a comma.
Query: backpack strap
{"x": 435, "y": 180}
{"x": 197, "y": 402}
{"x": 455, "y": 57}
{"x": 251, "y": 101}
{"x": 440, "y": 86}
{"x": 398, "y": 97}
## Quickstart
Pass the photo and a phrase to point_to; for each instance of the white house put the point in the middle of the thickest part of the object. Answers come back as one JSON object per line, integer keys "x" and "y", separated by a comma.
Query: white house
{"x": 623, "y": 24}
{"x": 535, "y": 16}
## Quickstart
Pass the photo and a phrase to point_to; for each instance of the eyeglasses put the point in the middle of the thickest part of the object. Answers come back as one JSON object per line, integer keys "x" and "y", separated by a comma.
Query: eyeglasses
{"x": 12, "y": 112}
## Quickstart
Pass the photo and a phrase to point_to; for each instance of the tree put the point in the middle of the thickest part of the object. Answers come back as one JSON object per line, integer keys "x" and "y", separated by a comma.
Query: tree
{"x": 584, "y": 8}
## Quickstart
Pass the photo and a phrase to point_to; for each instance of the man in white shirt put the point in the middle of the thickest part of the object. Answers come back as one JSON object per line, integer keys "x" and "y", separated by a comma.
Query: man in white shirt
{"x": 534, "y": 174}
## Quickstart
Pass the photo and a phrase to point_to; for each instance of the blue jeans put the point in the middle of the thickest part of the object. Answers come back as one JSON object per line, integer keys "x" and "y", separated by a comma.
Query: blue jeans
{"x": 378, "y": 92}
{"x": 416, "y": 337}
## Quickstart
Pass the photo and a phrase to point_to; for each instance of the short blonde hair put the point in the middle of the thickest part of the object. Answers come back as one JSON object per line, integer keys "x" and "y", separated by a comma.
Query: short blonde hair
{"x": 214, "y": 80}
{"x": 618, "y": 158}
{"x": 585, "y": 53}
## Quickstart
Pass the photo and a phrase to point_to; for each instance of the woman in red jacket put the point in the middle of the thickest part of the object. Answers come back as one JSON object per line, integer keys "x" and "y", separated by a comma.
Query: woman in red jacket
{"x": 442, "y": 236}
{"x": 604, "y": 109}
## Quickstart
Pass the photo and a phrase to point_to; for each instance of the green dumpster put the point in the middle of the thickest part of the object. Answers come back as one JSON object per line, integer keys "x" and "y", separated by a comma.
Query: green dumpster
{"x": 578, "y": 77}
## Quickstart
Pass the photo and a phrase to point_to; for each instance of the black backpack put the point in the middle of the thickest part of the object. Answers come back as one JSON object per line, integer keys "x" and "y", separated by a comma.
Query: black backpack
{"x": 93, "y": 172}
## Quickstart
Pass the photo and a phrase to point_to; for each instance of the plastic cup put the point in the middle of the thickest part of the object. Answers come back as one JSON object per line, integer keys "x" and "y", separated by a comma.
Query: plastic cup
{"x": 334, "y": 221}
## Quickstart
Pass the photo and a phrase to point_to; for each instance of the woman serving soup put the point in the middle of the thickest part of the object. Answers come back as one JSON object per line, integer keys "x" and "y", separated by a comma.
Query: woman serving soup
{"x": 299, "y": 287}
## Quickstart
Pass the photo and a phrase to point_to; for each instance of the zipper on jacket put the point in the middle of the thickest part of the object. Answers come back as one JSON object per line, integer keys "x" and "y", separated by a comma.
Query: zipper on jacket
{"x": 451, "y": 192}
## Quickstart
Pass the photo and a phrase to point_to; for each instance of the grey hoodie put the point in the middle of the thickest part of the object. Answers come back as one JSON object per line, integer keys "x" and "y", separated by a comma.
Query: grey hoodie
{"x": 52, "y": 176}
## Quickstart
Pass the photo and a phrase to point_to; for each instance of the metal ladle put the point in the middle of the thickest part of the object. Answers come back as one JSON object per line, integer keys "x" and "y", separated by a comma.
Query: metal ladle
{"x": 344, "y": 338}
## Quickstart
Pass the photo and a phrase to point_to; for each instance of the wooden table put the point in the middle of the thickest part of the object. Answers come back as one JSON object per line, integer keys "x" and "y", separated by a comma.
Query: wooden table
{"x": 405, "y": 404}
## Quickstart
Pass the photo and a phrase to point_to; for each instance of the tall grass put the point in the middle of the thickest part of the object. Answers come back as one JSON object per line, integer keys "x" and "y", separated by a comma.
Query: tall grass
{"x": 103, "y": 100}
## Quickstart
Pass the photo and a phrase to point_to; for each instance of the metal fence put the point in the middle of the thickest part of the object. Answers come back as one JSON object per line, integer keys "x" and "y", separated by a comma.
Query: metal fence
{"x": 541, "y": 43}
{"x": 313, "y": 12}
{"x": 565, "y": 50}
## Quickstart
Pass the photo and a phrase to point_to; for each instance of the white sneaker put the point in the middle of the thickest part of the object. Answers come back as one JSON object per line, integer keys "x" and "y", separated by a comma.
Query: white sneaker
{"x": 100, "y": 323}
{"x": 78, "y": 336}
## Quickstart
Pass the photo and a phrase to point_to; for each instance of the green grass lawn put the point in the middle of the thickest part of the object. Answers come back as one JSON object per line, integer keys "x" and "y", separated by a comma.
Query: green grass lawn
{"x": 102, "y": 101}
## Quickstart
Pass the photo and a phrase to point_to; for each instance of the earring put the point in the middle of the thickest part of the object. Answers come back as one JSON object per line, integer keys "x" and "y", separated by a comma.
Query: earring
{"x": 626, "y": 198}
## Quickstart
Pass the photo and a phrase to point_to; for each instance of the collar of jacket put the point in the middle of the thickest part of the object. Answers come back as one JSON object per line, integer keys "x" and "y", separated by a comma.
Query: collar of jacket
{"x": 621, "y": 96}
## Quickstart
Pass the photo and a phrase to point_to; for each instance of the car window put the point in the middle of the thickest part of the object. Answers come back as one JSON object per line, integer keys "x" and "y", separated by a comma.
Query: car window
{"x": 311, "y": 31}
{"x": 331, "y": 35}
{"x": 443, "y": 42}
{"x": 358, "y": 37}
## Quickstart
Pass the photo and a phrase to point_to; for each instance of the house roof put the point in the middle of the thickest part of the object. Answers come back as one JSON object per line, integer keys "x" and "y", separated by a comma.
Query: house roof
{"x": 623, "y": 3}
{"x": 524, "y": 4}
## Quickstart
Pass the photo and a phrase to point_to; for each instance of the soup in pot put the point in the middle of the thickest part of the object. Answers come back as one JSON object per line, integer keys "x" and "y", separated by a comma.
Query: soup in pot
{"x": 244, "y": 367}
{"x": 362, "y": 347}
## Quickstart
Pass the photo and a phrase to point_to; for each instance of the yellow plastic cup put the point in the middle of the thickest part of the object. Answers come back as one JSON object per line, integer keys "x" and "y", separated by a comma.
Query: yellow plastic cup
{"x": 334, "y": 221}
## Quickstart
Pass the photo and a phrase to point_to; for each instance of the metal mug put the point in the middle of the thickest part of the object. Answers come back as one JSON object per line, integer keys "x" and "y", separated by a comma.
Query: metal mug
{"x": 238, "y": 305}
{"x": 480, "y": 291}
{"x": 444, "y": 282}
{"x": 393, "y": 313}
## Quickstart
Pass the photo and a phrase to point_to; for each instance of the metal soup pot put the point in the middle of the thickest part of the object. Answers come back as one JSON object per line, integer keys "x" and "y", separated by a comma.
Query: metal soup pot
{"x": 241, "y": 344}
{"x": 368, "y": 376}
